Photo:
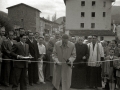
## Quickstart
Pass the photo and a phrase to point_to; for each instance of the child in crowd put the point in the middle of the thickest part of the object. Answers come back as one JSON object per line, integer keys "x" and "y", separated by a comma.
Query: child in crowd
{"x": 109, "y": 69}
{"x": 117, "y": 66}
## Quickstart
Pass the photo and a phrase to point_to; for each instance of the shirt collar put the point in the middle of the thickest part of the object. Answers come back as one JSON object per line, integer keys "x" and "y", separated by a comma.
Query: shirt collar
{"x": 40, "y": 44}
{"x": 111, "y": 57}
{"x": 31, "y": 40}
{"x": 21, "y": 42}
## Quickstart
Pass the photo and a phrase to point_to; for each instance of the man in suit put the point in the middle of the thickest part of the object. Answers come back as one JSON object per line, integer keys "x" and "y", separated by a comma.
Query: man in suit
{"x": 6, "y": 65}
{"x": 33, "y": 67}
{"x": 2, "y": 38}
{"x": 20, "y": 50}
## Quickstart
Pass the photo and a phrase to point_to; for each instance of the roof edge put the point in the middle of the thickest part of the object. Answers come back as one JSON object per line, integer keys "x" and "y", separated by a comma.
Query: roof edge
{"x": 23, "y": 4}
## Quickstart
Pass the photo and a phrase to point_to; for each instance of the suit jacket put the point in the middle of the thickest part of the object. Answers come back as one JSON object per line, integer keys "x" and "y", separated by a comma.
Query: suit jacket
{"x": 33, "y": 48}
{"x": 107, "y": 64}
{"x": 18, "y": 49}
{"x": 51, "y": 45}
{"x": 117, "y": 52}
{"x": 6, "y": 48}
{"x": 63, "y": 72}
{"x": 1, "y": 41}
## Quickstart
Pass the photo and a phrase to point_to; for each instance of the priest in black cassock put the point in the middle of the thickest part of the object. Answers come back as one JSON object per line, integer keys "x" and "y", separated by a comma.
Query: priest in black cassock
{"x": 79, "y": 69}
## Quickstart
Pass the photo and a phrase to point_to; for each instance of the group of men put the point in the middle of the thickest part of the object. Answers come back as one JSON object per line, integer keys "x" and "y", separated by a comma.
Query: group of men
{"x": 66, "y": 61}
{"x": 14, "y": 49}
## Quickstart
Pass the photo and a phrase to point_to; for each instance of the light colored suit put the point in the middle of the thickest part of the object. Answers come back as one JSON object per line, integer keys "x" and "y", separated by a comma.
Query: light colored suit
{"x": 62, "y": 73}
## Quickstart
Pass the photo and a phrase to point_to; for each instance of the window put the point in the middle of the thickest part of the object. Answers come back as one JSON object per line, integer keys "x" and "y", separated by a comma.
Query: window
{"x": 104, "y": 14}
{"x": 92, "y": 25}
{"x": 82, "y": 14}
{"x": 82, "y": 25}
{"x": 82, "y": 3}
{"x": 93, "y": 14}
{"x": 93, "y": 3}
{"x": 104, "y": 4}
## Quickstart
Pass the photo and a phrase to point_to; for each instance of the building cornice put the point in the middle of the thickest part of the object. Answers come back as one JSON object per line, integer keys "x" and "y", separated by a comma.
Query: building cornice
{"x": 111, "y": 1}
{"x": 24, "y": 5}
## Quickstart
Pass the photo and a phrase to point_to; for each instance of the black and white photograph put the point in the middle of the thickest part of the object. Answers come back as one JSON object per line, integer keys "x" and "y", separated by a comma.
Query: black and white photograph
{"x": 59, "y": 44}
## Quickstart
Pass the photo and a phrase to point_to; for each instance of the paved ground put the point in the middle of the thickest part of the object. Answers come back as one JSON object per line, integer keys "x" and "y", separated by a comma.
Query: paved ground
{"x": 47, "y": 86}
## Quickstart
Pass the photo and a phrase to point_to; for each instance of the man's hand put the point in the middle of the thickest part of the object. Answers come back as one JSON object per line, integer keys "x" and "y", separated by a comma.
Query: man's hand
{"x": 84, "y": 57}
{"x": 19, "y": 56}
{"x": 69, "y": 62}
{"x": 58, "y": 63}
{"x": 30, "y": 56}
{"x": 39, "y": 59}
{"x": 29, "y": 61}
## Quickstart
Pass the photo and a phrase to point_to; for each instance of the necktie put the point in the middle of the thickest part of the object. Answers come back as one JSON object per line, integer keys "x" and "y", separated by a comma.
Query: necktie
{"x": 24, "y": 46}
{"x": 93, "y": 46}
{"x": 111, "y": 62}
{"x": 11, "y": 42}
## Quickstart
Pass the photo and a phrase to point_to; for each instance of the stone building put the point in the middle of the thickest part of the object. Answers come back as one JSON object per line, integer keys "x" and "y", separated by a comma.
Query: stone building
{"x": 25, "y": 16}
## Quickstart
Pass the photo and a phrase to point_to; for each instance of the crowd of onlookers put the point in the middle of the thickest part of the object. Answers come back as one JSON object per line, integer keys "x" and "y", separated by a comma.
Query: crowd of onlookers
{"x": 40, "y": 68}
{"x": 36, "y": 46}
{"x": 110, "y": 70}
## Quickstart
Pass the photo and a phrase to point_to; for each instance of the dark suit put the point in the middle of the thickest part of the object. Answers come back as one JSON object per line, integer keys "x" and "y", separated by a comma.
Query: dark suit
{"x": 20, "y": 67}
{"x": 1, "y": 41}
{"x": 6, "y": 65}
{"x": 33, "y": 67}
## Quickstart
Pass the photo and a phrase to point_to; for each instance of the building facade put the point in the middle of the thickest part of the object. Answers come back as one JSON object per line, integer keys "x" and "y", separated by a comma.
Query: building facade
{"x": 88, "y": 15}
{"x": 47, "y": 26}
{"x": 62, "y": 23}
{"x": 25, "y": 16}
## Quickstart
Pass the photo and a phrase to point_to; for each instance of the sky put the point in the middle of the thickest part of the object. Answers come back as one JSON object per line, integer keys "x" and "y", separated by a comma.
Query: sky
{"x": 47, "y": 7}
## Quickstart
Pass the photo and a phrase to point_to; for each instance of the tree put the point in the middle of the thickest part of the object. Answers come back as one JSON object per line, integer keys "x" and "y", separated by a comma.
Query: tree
{"x": 5, "y": 21}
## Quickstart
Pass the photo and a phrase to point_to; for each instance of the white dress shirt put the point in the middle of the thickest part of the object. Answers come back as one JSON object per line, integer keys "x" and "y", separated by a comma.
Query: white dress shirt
{"x": 42, "y": 49}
